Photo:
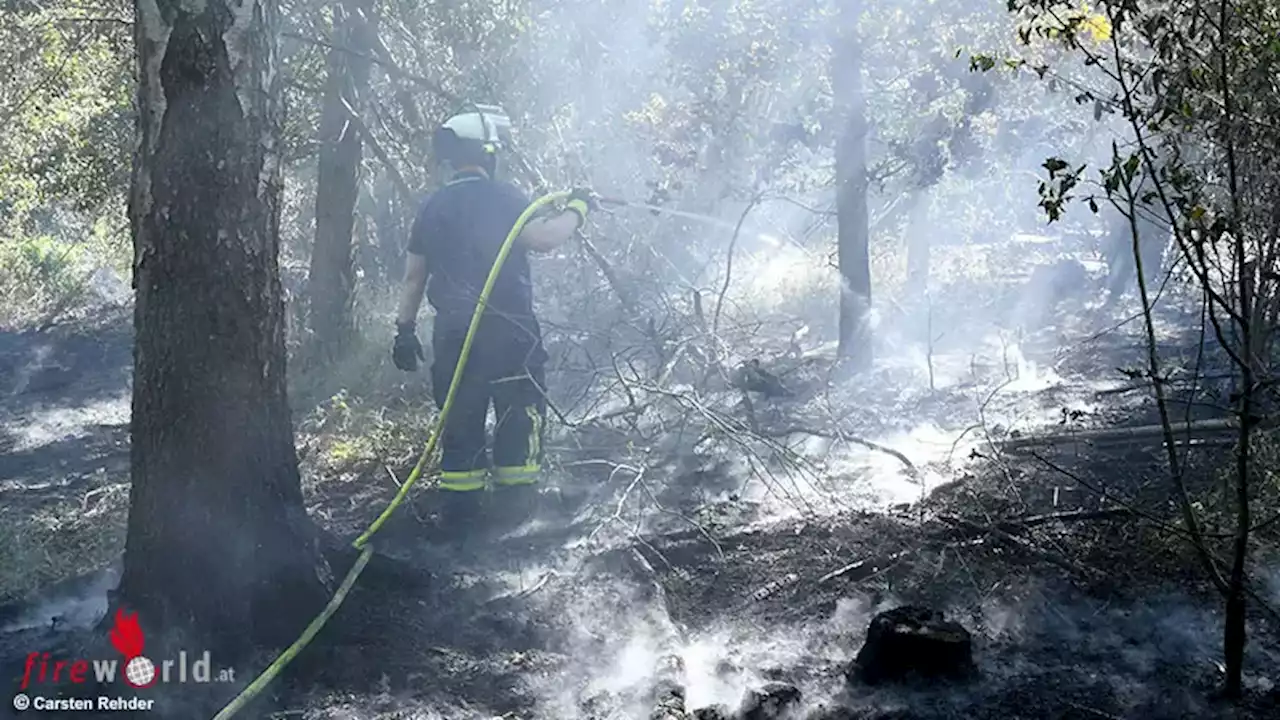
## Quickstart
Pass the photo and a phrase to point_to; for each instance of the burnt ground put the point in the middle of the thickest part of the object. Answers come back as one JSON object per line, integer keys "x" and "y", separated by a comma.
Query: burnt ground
{"x": 1062, "y": 559}
{"x": 64, "y": 453}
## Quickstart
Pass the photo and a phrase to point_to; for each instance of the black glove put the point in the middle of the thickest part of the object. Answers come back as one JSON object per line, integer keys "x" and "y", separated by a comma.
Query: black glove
{"x": 582, "y": 201}
{"x": 407, "y": 351}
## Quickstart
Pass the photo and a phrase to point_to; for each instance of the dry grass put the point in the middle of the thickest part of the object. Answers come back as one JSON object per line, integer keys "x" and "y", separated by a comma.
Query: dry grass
{"x": 62, "y": 539}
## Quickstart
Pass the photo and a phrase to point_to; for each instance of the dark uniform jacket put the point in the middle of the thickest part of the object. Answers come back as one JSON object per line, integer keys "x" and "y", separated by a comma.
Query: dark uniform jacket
{"x": 460, "y": 229}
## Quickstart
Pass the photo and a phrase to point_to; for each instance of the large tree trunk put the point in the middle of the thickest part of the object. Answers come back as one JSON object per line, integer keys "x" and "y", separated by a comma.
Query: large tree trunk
{"x": 331, "y": 282}
{"x": 218, "y": 540}
{"x": 853, "y": 222}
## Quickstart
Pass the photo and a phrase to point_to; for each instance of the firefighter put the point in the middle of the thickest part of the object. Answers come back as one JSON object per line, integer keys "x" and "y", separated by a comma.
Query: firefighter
{"x": 453, "y": 244}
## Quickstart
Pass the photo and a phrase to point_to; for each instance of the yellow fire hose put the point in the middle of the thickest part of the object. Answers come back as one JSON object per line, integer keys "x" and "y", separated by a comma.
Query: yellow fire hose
{"x": 362, "y": 543}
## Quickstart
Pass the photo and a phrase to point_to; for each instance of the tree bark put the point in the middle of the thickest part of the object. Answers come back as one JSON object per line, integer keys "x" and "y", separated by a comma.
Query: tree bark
{"x": 388, "y": 220}
{"x": 218, "y": 540}
{"x": 332, "y": 277}
{"x": 919, "y": 244}
{"x": 853, "y": 222}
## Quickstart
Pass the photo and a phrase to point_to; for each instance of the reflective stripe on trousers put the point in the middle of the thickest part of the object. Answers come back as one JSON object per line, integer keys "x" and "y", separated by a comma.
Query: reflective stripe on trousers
{"x": 463, "y": 480}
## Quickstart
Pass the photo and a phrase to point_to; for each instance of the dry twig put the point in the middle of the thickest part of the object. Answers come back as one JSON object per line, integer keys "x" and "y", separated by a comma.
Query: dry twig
{"x": 838, "y": 434}
{"x": 1023, "y": 546}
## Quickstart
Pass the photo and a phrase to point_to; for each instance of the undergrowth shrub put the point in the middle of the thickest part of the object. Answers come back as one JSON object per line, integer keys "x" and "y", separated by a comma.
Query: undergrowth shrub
{"x": 43, "y": 277}
{"x": 35, "y": 274}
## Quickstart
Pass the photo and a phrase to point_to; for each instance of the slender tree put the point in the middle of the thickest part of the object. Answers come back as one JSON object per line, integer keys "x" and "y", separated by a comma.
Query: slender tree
{"x": 218, "y": 540}
{"x": 853, "y": 221}
{"x": 331, "y": 279}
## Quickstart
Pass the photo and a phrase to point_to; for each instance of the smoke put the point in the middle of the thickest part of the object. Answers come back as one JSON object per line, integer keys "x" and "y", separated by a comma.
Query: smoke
{"x": 22, "y": 376}
{"x": 1134, "y": 651}
{"x": 46, "y": 425}
{"x": 621, "y": 96}
{"x": 109, "y": 287}
{"x": 617, "y": 656}
{"x": 76, "y": 604}
{"x": 616, "y": 636}
{"x": 1092, "y": 652}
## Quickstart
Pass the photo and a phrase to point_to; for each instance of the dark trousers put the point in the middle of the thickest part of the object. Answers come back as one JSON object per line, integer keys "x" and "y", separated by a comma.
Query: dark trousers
{"x": 508, "y": 374}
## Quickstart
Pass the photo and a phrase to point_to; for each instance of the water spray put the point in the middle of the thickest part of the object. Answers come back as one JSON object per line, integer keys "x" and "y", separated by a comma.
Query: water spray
{"x": 771, "y": 240}
{"x": 619, "y": 202}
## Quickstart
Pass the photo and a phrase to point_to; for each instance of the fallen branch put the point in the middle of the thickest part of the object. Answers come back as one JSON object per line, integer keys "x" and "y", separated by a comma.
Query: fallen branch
{"x": 1146, "y": 385}
{"x": 912, "y": 471}
{"x": 1119, "y": 435}
{"x": 1093, "y": 712}
{"x": 773, "y": 586}
{"x": 1068, "y": 516}
{"x": 690, "y": 521}
{"x": 541, "y": 583}
{"x": 871, "y": 566}
{"x": 613, "y": 414}
{"x": 622, "y": 500}
{"x": 727, "y": 426}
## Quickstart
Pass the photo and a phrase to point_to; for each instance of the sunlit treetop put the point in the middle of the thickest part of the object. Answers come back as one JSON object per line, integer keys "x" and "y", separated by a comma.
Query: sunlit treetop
{"x": 1064, "y": 22}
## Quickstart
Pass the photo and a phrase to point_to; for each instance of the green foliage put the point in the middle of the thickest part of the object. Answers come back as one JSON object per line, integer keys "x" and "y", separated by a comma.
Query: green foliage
{"x": 65, "y": 102}
{"x": 1056, "y": 191}
{"x": 354, "y": 431}
{"x": 65, "y": 105}
{"x": 43, "y": 258}
{"x": 42, "y": 276}
{"x": 1190, "y": 146}
{"x": 38, "y": 273}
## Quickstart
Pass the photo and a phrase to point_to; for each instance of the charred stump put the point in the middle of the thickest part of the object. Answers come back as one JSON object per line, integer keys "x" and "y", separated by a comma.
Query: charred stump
{"x": 912, "y": 642}
{"x": 773, "y": 701}
{"x": 713, "y": 712}
{"x": 668, "y": 693}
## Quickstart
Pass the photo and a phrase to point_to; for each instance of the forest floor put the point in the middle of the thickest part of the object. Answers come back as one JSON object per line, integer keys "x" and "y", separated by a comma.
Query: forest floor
{"x": 749, "y": 562}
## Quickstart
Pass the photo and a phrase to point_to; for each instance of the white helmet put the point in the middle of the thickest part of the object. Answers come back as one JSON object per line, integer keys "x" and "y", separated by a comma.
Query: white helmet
{"x": 487, "y": 124}
{"x": 473, "y": 138}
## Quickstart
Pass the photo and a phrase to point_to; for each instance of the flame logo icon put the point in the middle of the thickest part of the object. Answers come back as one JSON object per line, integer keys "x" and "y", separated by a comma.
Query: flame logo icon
{"x": 127, "y": 637}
